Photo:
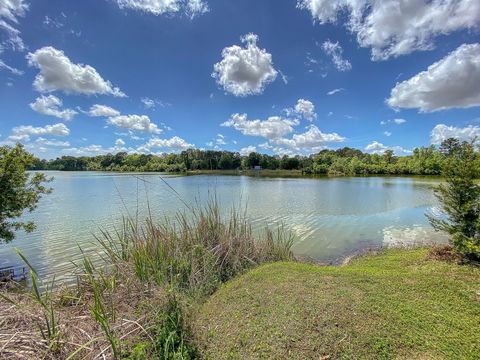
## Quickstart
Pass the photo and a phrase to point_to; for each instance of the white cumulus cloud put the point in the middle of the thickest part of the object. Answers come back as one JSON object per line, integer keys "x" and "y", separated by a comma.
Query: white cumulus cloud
{"x": 313, "y": 140}
{"x": 58, "y": 73}
{"x": 98, "y": 110}
{"x": 175, "y": 143}
{"x": 245, "y": 70}
{"x": 50, "y": 105}
{"x": 94, "y": 149}
{"x": 452, "y": 82}
{"x": 135, "y": 122}
{"x": 23, "y": 133}
{"x": 91, "y": 150}
{"x": 442, "y": 132}
{"x": 335, "y": 51}
{"x": 191, "y": 8}
{"x": 396, "y": 27}
{"x": 54, "y": 143}
{"x": 306, "y": 109}
{"x": 248, "y": 150}
{"x": 272, "y": 128}
{"x": 376, "y": 147}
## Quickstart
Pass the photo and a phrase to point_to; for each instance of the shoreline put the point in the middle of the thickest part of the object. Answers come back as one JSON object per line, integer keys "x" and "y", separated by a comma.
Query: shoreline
{"x": 384, "y": 277}
{"x": 250, "y": 173}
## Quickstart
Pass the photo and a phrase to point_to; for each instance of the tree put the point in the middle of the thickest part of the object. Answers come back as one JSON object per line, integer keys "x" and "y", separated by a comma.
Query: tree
{"x": 460, "y": 200}
{"x": 253, "y": 159}
{"x": 388, "y": 155}
{"x": 225, "y": 162}
{"x": 450, "y": 146}
{"x": 19, "y": 190}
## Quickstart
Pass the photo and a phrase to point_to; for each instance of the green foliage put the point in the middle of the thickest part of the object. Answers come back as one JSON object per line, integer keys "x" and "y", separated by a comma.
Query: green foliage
{"x": 170, "y": 342}
{"x": 342, "y": 162}
{"x": 42, "y": 295}
{"x": 139, "y": 352}
{"x": 460, "y": 199}
{"x": 187, "y": 259}
{"x": 19, "y": 190}
{"x": 197, "y": 252}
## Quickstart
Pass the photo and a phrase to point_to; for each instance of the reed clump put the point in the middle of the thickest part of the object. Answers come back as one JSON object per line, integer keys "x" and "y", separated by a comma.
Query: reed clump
{"x": 197, "y": 251}
{"x": 135, "y": 302}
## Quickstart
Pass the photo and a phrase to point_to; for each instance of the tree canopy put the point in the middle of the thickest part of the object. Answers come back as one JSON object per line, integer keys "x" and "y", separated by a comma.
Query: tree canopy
{"x": 19, "y": 190}
{"x": 459, "y": 197}
{"x": 341, "y": 162}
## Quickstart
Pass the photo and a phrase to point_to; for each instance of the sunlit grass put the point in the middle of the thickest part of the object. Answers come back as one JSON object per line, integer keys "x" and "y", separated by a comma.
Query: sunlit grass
{"x": 398, "y": 304}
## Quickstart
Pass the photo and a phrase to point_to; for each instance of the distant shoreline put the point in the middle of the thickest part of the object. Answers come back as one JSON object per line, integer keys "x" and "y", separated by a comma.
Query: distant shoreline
{"x": 250, "y": 173}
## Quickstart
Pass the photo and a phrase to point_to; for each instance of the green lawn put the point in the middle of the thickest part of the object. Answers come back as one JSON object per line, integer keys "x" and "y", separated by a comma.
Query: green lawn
{"x": 397, "y": 304}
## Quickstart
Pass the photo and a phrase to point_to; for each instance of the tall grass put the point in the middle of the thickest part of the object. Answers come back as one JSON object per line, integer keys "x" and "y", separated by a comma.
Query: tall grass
{"x": 42, "y": 294}
{"x": 188, "y": 257}
{"x": 195, "y": 252}
{"x": 138, "y": 305}
{"x": 102, "y": 308}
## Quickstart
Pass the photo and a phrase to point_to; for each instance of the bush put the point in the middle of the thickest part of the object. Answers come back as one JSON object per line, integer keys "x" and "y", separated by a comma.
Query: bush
{"x": 460, "y": 199}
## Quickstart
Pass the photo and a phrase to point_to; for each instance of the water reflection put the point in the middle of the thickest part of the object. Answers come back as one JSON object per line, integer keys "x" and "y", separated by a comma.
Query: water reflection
{"x": 330, "y": 218}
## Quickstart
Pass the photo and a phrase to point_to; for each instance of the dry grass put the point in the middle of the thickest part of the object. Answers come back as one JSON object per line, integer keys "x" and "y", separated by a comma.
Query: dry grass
{"x": 80, "y": 334}
{"x": 135, "y": 300}
{"x": 446, "y": 253}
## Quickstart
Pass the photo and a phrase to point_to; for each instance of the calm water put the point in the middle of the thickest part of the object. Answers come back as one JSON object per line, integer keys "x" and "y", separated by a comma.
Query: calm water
{"x": 330, "y": 217}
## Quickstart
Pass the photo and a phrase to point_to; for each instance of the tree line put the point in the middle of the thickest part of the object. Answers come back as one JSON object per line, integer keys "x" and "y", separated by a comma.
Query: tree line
{"x": 345, "y": 161}
{"x": 457, "y": 162}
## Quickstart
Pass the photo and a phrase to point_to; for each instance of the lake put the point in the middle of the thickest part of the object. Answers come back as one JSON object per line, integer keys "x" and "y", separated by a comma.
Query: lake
{"x": 331, "y": 218}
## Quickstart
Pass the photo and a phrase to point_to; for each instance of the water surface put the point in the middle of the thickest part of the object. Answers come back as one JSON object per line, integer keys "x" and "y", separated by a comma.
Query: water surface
{"x": 330, "y": 217}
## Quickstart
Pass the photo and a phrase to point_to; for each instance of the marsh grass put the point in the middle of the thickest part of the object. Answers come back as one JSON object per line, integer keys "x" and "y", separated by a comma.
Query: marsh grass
{"x": 41, "y": 293}
{"x": 136, "y": 301}
{"x": 195, "y": 252}
{"x": 188, "y": 258}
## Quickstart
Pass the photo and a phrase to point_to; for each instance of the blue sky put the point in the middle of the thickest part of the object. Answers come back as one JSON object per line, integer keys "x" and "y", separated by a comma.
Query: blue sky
{"x": 238, "y": 75}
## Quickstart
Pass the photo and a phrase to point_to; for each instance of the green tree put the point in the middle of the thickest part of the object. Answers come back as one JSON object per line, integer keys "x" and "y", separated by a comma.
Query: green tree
{"x": 389, "y": 156}
{"x": 460, "y": 200}
{"x": 253, "y": 159}
{"x": 449, "y": 146}
{"x": 225, "y": 162}
{"x": 19, "y": 191}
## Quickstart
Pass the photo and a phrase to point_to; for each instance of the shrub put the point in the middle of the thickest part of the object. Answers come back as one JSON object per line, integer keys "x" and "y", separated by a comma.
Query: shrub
{"x": 460, "y": 200}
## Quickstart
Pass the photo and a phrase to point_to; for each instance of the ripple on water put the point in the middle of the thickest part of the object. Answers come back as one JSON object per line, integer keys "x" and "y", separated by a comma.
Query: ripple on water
{"x": 329, "y": 218}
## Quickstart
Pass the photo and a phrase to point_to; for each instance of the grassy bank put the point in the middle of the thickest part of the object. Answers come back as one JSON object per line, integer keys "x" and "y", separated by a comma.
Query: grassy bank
{"x": 399, "y": 304}
{"x": 204, "y": 287}
{"x": 137, "y": 302}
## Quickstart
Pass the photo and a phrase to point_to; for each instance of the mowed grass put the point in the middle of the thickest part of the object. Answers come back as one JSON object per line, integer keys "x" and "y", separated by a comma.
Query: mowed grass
{"x": 397, "y": 304}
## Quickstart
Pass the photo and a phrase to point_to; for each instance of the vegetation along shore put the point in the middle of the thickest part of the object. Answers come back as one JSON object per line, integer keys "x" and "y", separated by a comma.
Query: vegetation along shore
{"x": 344, "y": 161}
{"x": 204, "y": 286}
{"x": 239, "y": 179}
